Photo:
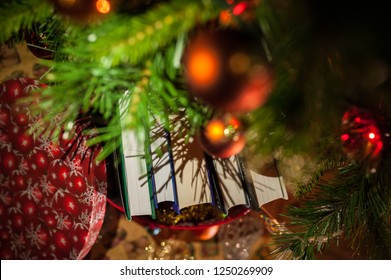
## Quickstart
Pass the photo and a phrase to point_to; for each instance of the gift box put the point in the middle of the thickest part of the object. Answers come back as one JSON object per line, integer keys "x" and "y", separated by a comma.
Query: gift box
{"x": 52, "y": 193}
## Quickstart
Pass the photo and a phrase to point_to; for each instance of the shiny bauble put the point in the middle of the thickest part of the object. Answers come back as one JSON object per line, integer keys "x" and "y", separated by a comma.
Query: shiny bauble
{"x": 228, "y": 69}
{"x": 361, "y": 137}
{"x": 37, "y": 45}
{"x": 222, "y": 137}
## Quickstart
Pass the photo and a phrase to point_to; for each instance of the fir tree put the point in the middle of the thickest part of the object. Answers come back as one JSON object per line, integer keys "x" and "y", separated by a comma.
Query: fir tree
{"x": 330, "y": 66}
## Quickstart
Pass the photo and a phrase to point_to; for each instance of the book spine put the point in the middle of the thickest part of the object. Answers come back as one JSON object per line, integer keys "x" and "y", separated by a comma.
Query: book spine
{"x": 248, "y": 186}
{"x": 172, "y": 167}
{"x": 151, "y": 179}
{"x": 282, "y": 185}
{"x": 217, "y": 195}
{"x": 122, "y": 176}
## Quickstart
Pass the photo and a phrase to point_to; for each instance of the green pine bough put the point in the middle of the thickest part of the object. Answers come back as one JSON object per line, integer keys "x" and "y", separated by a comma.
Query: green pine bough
{"x": 138, "y": 57}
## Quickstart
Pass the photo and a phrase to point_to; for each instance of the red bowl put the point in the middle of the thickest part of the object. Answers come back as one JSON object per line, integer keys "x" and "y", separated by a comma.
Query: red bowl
{"x": 233, "y": 214}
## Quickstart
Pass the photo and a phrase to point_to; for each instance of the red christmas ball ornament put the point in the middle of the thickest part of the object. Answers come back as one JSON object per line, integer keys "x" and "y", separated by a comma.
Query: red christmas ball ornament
{"x": 3, "y": 211}
{"x": 361, "y": 136}
{"x": 9, "y": 161}
{"x": 29, "y": 208}
{"x": 39, "y": 162}
{"x": 48, "y": 215}
{"x": 58, "y": 174}
{"x": 228, "y": 69}
{"x": 38, "y": 45}
{"x": 11, "y": 90}
{"x": 5, "y": 235}
{"x": 223, "y": 137}
{"x": 17, "y": 221}
{"x": 70, "y": 204}
{"x": 19, "y": 113}
{"x": 18, "y": 182}
{"x": 77, "y": 184}
{"x": 24, "y": 142}
{"x": 4, "y": 116}
{"x": 62, "y": 242}
{"x": 79, "y": 237}
{"x": 55, "y": 151}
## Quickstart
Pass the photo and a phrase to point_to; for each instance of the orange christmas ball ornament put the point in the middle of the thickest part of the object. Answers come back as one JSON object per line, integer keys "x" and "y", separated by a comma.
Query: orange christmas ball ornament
{"x": 228, "y": 70}
{"x": 223, "y": 137}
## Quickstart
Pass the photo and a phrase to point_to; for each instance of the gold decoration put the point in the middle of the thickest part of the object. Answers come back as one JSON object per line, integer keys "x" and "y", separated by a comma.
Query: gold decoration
{"x": 191, "y": 216}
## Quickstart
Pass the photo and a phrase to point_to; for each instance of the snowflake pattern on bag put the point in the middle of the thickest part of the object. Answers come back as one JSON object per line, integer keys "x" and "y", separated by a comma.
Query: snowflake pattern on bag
{"x": 51, "y": 207}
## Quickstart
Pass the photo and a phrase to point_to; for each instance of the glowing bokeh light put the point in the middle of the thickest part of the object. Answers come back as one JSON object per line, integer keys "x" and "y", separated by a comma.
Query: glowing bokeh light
{"x": 103, "y": 6}
{"x": 239, "y": 8}
{"x": 203, "y": 67}
{"x": 215, "y": 131}
{"x": 345, "y": 137}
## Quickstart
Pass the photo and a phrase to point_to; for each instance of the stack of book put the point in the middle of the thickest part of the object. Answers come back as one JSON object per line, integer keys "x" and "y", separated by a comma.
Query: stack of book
{"x": 165, "y": 167}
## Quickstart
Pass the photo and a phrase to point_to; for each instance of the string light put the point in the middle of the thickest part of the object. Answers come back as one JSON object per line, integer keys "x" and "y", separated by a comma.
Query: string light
{"x": 239, "y": 8}
{"x": 345, "y": 137}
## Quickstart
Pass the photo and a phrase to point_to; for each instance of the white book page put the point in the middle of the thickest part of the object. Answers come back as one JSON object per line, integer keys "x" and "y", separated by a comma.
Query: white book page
{"x": 136, "y": 175}
{"x": 161, "y": 166}
{"x": 190, "y": 173}
{"x": 268, "y": 188}
{"x": 229, "y": 182}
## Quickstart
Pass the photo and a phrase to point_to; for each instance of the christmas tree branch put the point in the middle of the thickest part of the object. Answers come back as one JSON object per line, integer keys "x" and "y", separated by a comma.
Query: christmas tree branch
{"x": 334, "y": 208}
{"x": 18, "y": 15}
{"x": 100, "y": 63}
{"x": 121, "y": 39}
